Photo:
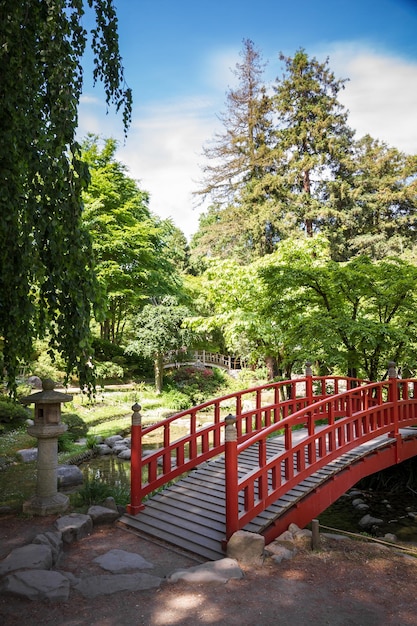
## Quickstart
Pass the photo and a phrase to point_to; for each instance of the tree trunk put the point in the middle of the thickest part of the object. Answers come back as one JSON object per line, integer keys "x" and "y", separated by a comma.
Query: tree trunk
{"x": 272, "y": 367}
{"x": 159, "y": 372}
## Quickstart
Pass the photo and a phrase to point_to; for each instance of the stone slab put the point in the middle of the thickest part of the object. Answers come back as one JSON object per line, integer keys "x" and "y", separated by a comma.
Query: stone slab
{"x": 37, "y": 585}
{"x": 32, "y": 556}
{"x": 121, "y": 561}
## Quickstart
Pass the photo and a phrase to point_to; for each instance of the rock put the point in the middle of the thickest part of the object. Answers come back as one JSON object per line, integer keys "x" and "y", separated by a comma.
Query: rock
{"x": 31, "y": 556}
{"x": 69, "y": 476}
{"x": 37, "y": 585}
{"x": 359, "y": 504}
{"x": 412, "y": 515}
{"x": 120, "y": 561}
{"x": 5, "y": 510}
{"x": 103, "y": 449}
{"x": 212, "y": 572}
{"x": 109, "y": 503}
{"x": 111, "y": 441}
{"x": 281, "y": 550}
{"x": 367, "y": 521}
{"x": 35, "y": 382}
{"x": 101, "y": 515}
{"x": 74, "y": 526}
{"x": 285, "y": 536}
{"x": 28, "y": 455}
{"x": 354, "y": 493}
{"x": 125, "y": 455}
{"x": 107, "y": 584}
{"x": 390, "y": 537}
{"x": 299, "y": 534}
{"x": 54, "y": 541}
{"x": 246, "y": 547}
{"x": 119, "y": 447}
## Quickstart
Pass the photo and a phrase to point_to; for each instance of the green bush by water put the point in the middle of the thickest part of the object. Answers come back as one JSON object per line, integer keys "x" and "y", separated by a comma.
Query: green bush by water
{"x": 76, "y": 425}
{"x": 96, "y": 491}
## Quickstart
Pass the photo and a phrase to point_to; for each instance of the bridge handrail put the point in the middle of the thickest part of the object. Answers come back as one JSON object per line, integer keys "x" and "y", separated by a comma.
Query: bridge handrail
{"x": 350, "y": 419}
{"x": 146, "y": 471}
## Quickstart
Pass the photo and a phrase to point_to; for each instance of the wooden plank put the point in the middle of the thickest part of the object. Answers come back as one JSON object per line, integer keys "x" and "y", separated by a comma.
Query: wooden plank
{"x": 195, "y": 547}
{"x": 190, "y": 513}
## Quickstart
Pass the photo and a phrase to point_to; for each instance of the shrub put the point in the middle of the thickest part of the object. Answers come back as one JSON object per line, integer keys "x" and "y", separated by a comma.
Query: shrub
{"x": 77, "y": 428}
{"x": 66, "y": 442}
{"x": 109, "y": 370}
{"x": 176, "y": 400}
{"x": 12, "y": 414}
{"x": 95, "y": 491}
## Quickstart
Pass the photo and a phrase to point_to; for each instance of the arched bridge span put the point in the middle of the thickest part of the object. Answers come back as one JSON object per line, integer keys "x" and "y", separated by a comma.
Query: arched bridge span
{"x": 285, "y": 452}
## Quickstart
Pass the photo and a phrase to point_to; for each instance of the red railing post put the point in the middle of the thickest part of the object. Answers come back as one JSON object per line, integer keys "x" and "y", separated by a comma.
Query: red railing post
{"x": 135, "y": 463}
{"x": 231, "y": 476}
{"x": 309, "y": 383}
{"x": 393, "y": 397}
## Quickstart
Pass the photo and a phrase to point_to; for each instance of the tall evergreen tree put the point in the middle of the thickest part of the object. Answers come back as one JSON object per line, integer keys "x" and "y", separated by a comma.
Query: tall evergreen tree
{"x": 374, "y": 208}
{"x": 313, "y": 138}
{"x": 236, "y": 158}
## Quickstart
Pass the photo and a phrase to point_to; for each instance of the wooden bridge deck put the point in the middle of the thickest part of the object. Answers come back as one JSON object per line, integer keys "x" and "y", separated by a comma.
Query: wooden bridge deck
{"x": 191, "y": 513}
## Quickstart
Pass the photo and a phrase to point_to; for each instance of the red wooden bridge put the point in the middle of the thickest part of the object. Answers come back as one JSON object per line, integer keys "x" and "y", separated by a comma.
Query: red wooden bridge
{"x": 285, "y": 452}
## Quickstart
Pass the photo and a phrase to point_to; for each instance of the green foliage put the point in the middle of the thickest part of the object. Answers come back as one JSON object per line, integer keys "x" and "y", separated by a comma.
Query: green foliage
{"x": 128, "y": 241}
{"x": 95, "y": 491}
{"x": 77, "y": 427}
{"x": 47, "y": 279}
{"x": 108, "y": 370}
{"x": 193, "y": 385}
{"x": 45, "y": 365}
{"x": 177, "y": 400}
{"x": 12, "y": 414}
{"x": 66, "y": 442}
{"x": 159, "y": 329}
{"x": 289, "y": 163}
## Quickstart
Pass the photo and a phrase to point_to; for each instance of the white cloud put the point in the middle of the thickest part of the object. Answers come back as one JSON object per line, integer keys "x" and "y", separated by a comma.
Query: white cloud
{"x": 381, "y": 94}
{"x": 162, "y": 151}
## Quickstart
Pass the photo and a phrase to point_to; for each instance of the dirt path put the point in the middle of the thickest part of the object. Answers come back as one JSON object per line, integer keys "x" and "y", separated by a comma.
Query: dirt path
{"x": 347, "y": 583}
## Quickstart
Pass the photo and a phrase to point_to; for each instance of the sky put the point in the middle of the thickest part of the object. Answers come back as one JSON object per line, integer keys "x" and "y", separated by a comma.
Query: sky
{"x": 179, "y": 55}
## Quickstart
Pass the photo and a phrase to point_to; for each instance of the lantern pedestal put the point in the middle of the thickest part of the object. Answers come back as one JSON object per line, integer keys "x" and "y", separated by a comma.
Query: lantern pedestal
{"x": 46, "y": 430}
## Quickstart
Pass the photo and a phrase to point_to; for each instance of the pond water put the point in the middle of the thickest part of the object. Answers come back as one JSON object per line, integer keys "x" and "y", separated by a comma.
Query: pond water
{"x": 395, "y": 509}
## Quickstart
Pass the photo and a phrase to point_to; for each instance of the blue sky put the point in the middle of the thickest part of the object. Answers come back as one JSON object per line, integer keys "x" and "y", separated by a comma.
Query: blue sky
{"x": 178, "y": 56}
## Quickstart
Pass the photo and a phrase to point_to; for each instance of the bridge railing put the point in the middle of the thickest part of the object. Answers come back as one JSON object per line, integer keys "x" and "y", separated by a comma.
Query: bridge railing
{"x": 204, "y": 358}
{"x": 334, "y": 425}
{"x": 255, "y": 409}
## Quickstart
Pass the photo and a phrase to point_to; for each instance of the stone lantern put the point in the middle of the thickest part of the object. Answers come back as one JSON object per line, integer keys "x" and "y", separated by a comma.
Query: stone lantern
{"x": 46, "y": 429}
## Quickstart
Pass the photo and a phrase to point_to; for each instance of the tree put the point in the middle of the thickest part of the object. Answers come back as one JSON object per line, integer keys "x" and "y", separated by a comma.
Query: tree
{"x": 159, "y": 329}
{"x": 129, "y": 243}
{"x": 232, "y": 300}
{"x": 313, "y": 139}
{"x": 236, "y": 158}
{"x": 375, "y": 213}
{"x": 47, "y": 281}
{"x": 356, "y": 315}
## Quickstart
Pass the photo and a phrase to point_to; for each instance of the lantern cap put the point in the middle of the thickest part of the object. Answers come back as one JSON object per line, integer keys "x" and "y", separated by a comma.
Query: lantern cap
{"x": 48, "y": 395}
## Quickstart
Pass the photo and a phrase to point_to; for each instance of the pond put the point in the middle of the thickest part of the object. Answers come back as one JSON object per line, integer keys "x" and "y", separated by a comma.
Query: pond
{"x": 397, "y": 510}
